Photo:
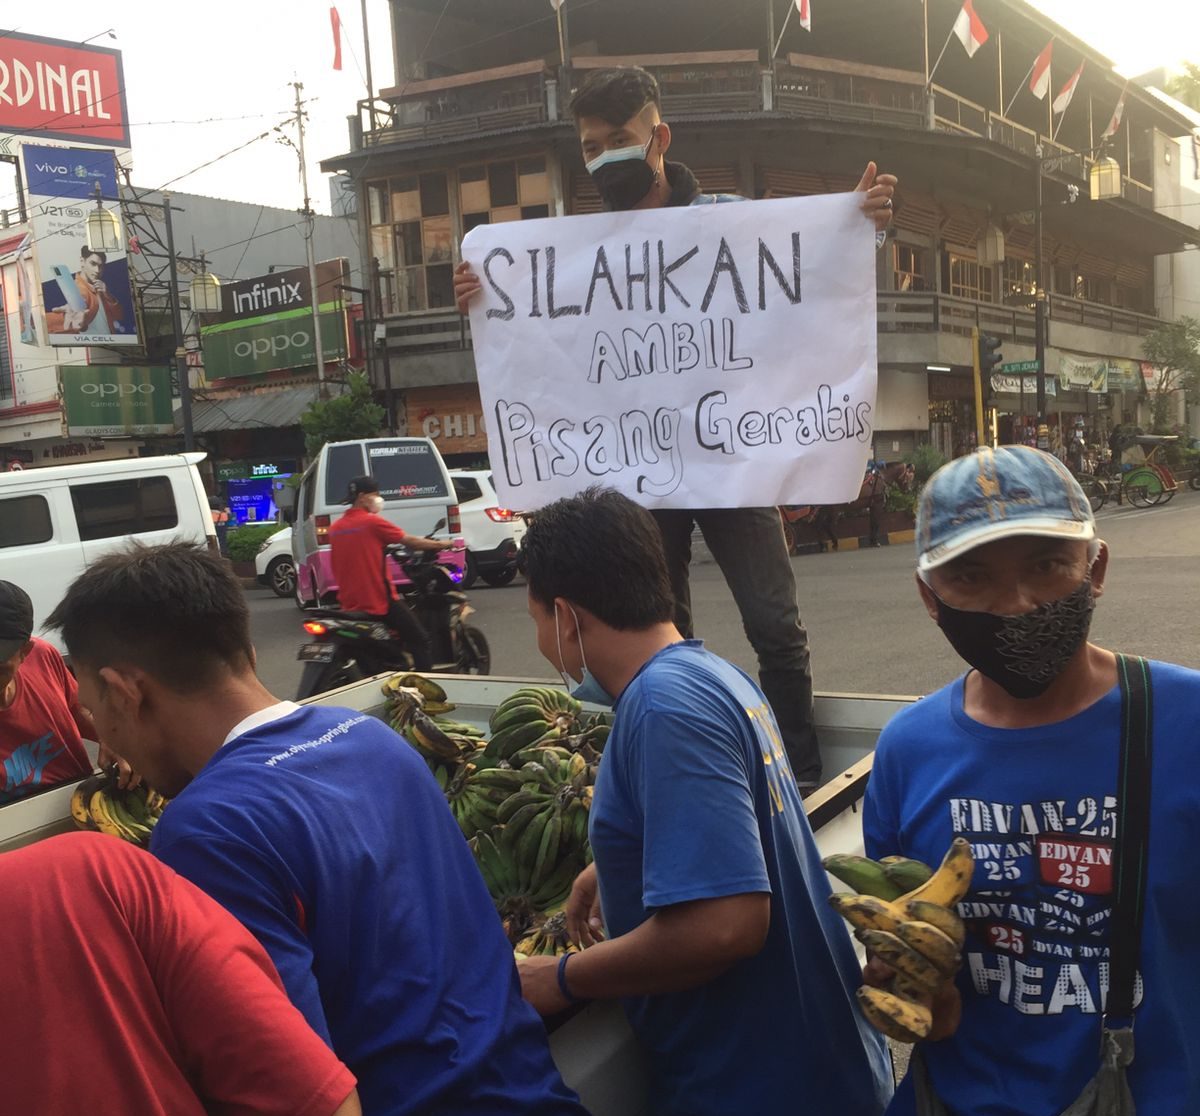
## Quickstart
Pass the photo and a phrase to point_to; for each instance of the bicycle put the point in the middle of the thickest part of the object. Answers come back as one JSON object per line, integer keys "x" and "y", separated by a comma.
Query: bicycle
{"x": 1152, "y": 482}
{"x": 1094, "y": 488}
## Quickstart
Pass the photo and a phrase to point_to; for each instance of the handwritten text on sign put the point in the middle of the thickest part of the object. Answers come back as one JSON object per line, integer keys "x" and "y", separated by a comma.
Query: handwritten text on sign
{"x": 711, "y": 356}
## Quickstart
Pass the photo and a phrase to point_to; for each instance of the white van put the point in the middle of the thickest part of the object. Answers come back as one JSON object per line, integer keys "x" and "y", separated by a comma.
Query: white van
{"x": 415, "y": 486}
{"x": 54, "y": 522}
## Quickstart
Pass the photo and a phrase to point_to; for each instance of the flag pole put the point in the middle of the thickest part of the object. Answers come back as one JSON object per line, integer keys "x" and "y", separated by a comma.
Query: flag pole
{"x": 929, "y": 79}
{"x": 783, "y": 30}
{"x": 925, "y": 30}
{"x": 999, "y": 69}
{"x": 1028, "y": 74}
{"x": 562, "y": 42}
{"x": 367, "y": 53}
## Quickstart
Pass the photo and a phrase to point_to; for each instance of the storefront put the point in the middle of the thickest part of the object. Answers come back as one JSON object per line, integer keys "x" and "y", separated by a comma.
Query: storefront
{"x": 453, "y": 417}
{"x": 250, "y": 488}
{"x": 952, "y": 412}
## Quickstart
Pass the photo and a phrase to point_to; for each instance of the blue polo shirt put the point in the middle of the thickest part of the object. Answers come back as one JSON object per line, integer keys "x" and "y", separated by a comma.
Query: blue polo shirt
{"x": 326, "y": 835}
{"x": 695, "y": 799}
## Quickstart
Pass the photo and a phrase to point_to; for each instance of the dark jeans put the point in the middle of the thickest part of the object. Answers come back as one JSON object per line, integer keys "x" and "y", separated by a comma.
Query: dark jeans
{"x": 402, "y": 620}
{"x": 748, "y": 545}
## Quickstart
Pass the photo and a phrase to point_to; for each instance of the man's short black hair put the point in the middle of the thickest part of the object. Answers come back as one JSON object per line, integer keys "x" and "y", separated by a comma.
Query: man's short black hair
{"x": 174, "y": 611}
{"x": 616, "y": 95}
{"x": 93, "y": 252}
{"x": 602, "y": 551}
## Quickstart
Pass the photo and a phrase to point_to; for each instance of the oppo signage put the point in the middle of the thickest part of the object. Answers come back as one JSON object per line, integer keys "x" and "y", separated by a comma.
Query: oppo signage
{"x": 271, "y": 346}
{"x": 108, "y": 401}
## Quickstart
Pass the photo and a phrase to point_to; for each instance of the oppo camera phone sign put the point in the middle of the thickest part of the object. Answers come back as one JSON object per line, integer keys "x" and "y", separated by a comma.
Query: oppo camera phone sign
{"x": 710, "y": 356}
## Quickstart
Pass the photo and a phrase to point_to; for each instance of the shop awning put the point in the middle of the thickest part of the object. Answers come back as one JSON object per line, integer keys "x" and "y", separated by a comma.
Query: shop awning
{"x": 249, "y": 412}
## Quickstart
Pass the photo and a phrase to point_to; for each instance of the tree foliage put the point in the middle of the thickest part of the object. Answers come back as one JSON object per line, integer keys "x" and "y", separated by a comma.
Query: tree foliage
{"x": 353, "y": 414}
{"x": 1185, "y": 86}
{"x": 1174, "y": 347}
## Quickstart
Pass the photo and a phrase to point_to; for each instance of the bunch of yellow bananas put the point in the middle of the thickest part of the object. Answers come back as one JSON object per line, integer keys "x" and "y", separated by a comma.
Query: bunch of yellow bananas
{"x": 915, "y": 931}
{"x": 547, "y": 940}
{"x": 98, "y": 804}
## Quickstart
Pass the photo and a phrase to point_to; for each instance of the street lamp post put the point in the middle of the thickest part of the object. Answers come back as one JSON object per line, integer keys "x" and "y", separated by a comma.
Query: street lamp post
{"x": 181, "y": 368}
{"x": 1104, "y": 179}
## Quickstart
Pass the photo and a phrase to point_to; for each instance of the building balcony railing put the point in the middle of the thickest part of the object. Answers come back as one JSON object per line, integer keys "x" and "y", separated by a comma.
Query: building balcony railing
{"x": 445, "y": 330}
{"x": 710, "y": 83}
{"x": 931, "y": 312}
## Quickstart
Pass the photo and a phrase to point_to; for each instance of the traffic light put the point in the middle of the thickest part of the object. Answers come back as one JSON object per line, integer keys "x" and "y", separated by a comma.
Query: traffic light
{"x": 990, "y": 356}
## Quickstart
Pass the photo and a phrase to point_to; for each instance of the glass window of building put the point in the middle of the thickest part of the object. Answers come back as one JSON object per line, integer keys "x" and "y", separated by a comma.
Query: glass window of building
{"x": 412, "y": 242}
{"x": 909, "y": 268}
{"x": 1019, "y": 281}
{"x": 968, "y": 279}
{"x": 513, "y": 190}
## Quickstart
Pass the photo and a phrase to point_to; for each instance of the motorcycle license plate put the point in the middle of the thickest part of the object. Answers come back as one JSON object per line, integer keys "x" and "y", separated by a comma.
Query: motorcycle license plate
{"x": 316, "y": 653}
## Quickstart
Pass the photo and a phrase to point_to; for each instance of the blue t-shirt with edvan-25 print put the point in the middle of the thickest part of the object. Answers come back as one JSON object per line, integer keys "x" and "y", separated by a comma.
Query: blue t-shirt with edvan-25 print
{"x": 1039, "y": 806}
{"x": 327, "y": 836}
{"x": 695, "y": 800}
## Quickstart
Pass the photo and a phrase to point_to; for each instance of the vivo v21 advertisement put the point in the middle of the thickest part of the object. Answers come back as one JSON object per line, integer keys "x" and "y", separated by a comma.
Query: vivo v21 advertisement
{"x": 85, "y": 288}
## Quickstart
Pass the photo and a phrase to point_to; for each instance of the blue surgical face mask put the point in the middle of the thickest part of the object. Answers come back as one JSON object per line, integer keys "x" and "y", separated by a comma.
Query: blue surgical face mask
{"x": 589, "y": 689}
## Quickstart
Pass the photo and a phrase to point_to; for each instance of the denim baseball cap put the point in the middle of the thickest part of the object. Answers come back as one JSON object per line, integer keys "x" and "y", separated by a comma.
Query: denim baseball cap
{"x": 997, "y": 494}
{"x": 16, "y": 619}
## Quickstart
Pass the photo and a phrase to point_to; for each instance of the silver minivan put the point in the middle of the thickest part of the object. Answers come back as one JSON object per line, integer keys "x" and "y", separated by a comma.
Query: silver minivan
{"x": 55, "y": 522}
{"x": 415, "y": 486}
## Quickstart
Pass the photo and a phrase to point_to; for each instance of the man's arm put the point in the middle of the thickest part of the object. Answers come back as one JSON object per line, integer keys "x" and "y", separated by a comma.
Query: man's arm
{"x": 387, "y": 532}
{"x": 677, "y": 948}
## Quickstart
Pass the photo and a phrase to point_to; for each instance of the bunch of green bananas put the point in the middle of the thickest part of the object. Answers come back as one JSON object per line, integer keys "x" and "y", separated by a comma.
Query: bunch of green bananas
{"x": 903, "y": 912}
{"x": 532, "y": 716}
{"x": 98, "y": 804}
{"x": 549, "y": 939}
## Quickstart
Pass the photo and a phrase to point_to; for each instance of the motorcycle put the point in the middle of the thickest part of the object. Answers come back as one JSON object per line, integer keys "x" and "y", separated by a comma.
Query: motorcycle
{"x": 347, "y": 647}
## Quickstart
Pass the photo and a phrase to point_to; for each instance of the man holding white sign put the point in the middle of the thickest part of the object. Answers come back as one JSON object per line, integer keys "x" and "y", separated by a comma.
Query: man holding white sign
{"x": 685, "y": 360}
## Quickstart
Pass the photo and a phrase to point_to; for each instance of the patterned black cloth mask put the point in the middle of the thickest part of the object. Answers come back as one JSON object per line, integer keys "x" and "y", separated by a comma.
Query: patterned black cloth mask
{"x": 1023, "y": 654}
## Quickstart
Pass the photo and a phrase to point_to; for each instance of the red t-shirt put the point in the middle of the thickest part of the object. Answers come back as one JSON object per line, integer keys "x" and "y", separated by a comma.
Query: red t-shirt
{"x": 357, "y": 541}
{"x": 127, "y": 989}
{"x": 40, "y": 743}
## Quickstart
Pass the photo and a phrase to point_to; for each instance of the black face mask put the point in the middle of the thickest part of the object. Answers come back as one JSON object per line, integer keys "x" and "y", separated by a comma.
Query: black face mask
{"x": 623, "y": 183}
{"x": 1022, "y": 654}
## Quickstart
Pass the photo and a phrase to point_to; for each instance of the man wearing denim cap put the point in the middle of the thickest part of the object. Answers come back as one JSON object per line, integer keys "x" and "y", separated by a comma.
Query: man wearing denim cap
{"x": 1019, "y": 756}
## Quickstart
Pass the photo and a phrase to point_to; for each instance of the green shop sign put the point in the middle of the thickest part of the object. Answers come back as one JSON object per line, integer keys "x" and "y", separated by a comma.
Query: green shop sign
{"x": 271, "y": 344}
{"x": 112, "y": 401}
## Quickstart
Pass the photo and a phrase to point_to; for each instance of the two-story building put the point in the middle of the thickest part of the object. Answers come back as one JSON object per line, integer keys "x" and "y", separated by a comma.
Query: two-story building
{"x": 476, "y": 130}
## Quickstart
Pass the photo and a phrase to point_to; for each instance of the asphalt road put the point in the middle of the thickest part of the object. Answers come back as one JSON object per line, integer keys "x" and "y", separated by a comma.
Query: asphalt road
{"x": 866, "y": 625}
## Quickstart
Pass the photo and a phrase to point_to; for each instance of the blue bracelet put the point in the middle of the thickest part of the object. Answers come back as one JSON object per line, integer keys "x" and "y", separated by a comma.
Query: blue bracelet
{"x": 562, "y": 979}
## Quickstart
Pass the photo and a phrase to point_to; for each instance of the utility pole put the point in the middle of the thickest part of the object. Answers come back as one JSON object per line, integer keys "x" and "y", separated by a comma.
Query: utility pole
{"x": 310, "y": 218}
{"x": 181, "y": 369}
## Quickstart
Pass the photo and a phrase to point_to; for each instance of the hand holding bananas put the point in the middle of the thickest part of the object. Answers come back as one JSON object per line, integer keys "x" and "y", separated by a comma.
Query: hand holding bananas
{"x": 99, "y": 803}
{"x": 904, "y": 914}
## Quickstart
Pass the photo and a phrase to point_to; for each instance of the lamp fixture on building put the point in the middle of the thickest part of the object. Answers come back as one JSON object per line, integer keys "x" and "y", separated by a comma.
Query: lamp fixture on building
{"x": 103, "y": 228}
{"x": 990, "y": 249}
{"x": 205, "y": 291}
{"x": 1104, "y": 179}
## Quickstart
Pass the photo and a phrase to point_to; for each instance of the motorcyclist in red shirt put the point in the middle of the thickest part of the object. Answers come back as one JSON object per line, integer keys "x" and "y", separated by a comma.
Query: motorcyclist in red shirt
{"x": 358, "y": 541}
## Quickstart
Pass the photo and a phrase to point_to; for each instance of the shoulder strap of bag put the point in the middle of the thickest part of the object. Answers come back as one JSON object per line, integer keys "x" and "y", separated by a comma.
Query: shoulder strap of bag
{"x": 1133, "y": 834}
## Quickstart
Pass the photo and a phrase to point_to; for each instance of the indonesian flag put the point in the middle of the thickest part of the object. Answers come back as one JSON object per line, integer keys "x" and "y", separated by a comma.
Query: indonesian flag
{"x": 1039, "y": 76}
{"x": 1067, "y": 91}
{"x": 970, "y": 29}
{"x": 335, "y": 22}
{"x": 804, "y": 13}
{"x": 1115, "y": 122}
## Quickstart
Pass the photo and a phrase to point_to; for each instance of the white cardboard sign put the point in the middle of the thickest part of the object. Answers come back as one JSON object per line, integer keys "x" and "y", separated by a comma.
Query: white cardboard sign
{"x": 711, "y": 356}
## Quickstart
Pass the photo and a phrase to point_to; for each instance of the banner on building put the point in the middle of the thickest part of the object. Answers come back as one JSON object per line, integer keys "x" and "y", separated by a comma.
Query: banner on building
{"x": 85, "y": 291}
{"x": 1078, "y": 374}
{"x": 271, "y": 344}
{"x": 113, "y": 401}
{"x": 280, "y": 291}
{"x": 711, "y": 356}
{"x": 451, "y": 416}
{"x": 60, "y": 90}
{"x": 1005, "y": 384}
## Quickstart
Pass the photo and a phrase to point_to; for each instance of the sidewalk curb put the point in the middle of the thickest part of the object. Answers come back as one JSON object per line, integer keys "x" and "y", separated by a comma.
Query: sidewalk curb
{"x": 892, "y": 538}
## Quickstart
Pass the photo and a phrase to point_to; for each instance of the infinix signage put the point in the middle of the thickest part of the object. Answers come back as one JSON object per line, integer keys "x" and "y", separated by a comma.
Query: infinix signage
{"x": 280, "y": 291}
{"x": 280, "y": 342}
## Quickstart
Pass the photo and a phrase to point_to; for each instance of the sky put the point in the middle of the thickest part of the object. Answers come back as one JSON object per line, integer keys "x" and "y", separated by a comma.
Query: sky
{"x": 230, "y": 65}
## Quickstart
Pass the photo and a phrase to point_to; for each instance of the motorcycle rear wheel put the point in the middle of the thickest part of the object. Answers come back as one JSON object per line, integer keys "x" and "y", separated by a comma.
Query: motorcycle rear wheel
{"x": 317, "y": 678}
{"x": 474, "y": 655}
